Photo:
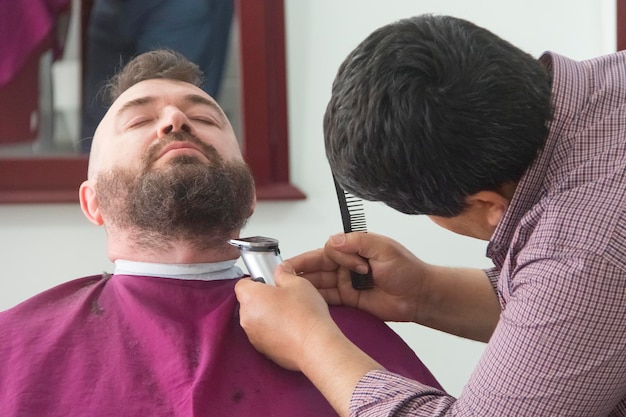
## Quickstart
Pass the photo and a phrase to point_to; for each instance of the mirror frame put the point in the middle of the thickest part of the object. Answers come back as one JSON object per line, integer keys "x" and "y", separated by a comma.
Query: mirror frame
{"x": 264, "y": 117}
{"x": 621, "y": 24}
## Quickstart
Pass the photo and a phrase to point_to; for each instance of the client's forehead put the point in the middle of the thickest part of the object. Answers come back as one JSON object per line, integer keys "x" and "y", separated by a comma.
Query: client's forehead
{"x": 160, "y": 88}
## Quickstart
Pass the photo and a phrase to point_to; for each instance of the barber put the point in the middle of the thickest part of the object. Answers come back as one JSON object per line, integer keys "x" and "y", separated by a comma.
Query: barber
{"x": 434, "y": 115}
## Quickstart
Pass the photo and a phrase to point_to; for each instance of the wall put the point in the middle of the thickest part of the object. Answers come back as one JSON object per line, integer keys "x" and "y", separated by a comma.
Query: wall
{"x": 44, "y": 245}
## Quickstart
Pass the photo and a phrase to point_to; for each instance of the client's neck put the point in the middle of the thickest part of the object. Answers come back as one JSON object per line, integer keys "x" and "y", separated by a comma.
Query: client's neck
{"x": 170, "y": 251}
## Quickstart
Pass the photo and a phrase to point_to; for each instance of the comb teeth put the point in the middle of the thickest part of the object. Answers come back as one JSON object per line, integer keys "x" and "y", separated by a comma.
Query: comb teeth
{"x": 356, "y": 213}
{"x": 353, "y": 218}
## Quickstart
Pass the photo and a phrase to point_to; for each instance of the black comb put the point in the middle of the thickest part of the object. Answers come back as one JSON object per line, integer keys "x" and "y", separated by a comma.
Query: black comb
{"x": 353, "y": 218}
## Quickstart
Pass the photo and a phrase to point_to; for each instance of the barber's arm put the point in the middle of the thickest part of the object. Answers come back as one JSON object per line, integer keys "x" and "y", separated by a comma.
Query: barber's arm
{"x": 459, "y": 301}
{"x": 291, "y": 325}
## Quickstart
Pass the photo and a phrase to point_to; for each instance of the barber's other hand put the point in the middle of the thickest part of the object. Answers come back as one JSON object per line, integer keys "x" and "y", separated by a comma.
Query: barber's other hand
{"x": 281, "y": 320}
{"x": 399, "y": 276}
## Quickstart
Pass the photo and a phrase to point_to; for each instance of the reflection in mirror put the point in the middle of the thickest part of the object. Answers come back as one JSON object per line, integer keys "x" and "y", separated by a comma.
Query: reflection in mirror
{"x": 26, "y": 83}
{"x": 50, "y": 125}
{"x": 40, "y": 158}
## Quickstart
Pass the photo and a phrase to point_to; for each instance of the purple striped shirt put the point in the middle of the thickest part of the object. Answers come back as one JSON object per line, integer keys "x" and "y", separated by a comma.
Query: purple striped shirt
{"x": 560, "y": 272}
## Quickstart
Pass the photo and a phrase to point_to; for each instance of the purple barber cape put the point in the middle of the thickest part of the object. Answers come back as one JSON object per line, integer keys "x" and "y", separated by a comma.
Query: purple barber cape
{"x": 124, "y": 345}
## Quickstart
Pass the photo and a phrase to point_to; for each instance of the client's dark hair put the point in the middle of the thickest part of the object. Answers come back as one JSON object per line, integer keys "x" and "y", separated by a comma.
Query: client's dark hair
{"x": 431, "y": 109}
{"x": 159, "y": 64}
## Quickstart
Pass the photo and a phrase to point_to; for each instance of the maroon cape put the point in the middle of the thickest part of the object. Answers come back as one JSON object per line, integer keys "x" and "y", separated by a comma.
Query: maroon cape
{"x": 146, "y": 346}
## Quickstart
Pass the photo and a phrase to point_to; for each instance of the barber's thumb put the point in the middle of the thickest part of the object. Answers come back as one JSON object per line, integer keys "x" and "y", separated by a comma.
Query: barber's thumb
{"x": 283, "y": 272}
{"x": 243, "y": 289}
{"x": 338, "y": 240}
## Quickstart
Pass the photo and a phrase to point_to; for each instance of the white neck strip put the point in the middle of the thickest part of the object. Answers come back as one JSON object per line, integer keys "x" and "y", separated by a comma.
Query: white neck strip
{"x": 204, "y": 272}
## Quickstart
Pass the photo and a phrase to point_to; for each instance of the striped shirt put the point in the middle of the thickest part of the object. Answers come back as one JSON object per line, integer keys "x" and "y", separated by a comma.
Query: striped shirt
{"x": 559, "y": 259}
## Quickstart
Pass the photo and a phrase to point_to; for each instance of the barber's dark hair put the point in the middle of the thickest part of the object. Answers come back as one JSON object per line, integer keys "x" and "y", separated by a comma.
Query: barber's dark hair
{"x": 158, "y": 64}
{"x": 429, "y": 110}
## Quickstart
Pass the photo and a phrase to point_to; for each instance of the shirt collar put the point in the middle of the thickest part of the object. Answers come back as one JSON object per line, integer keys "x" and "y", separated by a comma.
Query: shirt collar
{"x": 531, "y": 186}
{"x": 203, "y": 271}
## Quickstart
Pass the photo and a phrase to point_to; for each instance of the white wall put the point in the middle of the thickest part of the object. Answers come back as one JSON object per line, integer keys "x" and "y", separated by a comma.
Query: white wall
{"x": 44, "y": 245}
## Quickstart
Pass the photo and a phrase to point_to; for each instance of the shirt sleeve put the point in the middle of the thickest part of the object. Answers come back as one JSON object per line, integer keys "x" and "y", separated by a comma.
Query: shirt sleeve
{"x": 493, "y": 274}
{"x": 559, "y": 349}
{"x": 382, "y": 393}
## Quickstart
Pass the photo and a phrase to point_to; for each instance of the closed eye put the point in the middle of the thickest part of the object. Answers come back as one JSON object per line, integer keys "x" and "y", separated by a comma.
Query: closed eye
{"x": 204, "y": 120}
{"x": 137, "y": 122}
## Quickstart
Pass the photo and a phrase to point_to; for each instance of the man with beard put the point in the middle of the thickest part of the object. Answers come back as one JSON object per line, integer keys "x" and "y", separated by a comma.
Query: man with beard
{"x": 160, "y": 336}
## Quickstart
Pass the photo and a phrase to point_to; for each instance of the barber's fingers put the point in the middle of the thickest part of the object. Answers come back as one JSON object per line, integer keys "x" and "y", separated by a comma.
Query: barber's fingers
{"x": 368, "y": 245}
{"x": 287, "y": 277}
{"x": 353, "y": 250}
{"x": 312, "y": 261}
{"x": 316, "y": 267}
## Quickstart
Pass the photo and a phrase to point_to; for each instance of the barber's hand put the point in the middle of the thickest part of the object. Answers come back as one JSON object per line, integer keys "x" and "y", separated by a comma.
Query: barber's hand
{"x": 280, "y": 320}
{"x": 399, "y": 276}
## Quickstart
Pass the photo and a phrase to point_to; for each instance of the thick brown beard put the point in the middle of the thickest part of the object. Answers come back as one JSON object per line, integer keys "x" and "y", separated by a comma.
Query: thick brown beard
{"x": 188, "y": 199}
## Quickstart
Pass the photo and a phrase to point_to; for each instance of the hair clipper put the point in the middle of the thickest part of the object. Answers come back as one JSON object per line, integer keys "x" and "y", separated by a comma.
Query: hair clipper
{"x": 260, "y": 255}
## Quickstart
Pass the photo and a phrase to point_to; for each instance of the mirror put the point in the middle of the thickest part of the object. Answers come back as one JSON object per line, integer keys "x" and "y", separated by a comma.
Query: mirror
{"x": 45, "y": 174}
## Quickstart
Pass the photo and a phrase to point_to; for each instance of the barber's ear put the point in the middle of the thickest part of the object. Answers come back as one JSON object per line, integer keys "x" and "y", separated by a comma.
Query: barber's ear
{"x": 89, "y": 203}
{"x": 491, "y": 204}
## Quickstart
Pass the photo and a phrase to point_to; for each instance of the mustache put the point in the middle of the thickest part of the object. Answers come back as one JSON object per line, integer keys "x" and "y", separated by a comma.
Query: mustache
{"x": 180, "y": 136}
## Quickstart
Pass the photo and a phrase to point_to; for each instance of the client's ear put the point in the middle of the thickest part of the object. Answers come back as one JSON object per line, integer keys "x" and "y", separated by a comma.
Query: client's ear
{"x": 252, "y": 206}
{"x": 89, "y": 203}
